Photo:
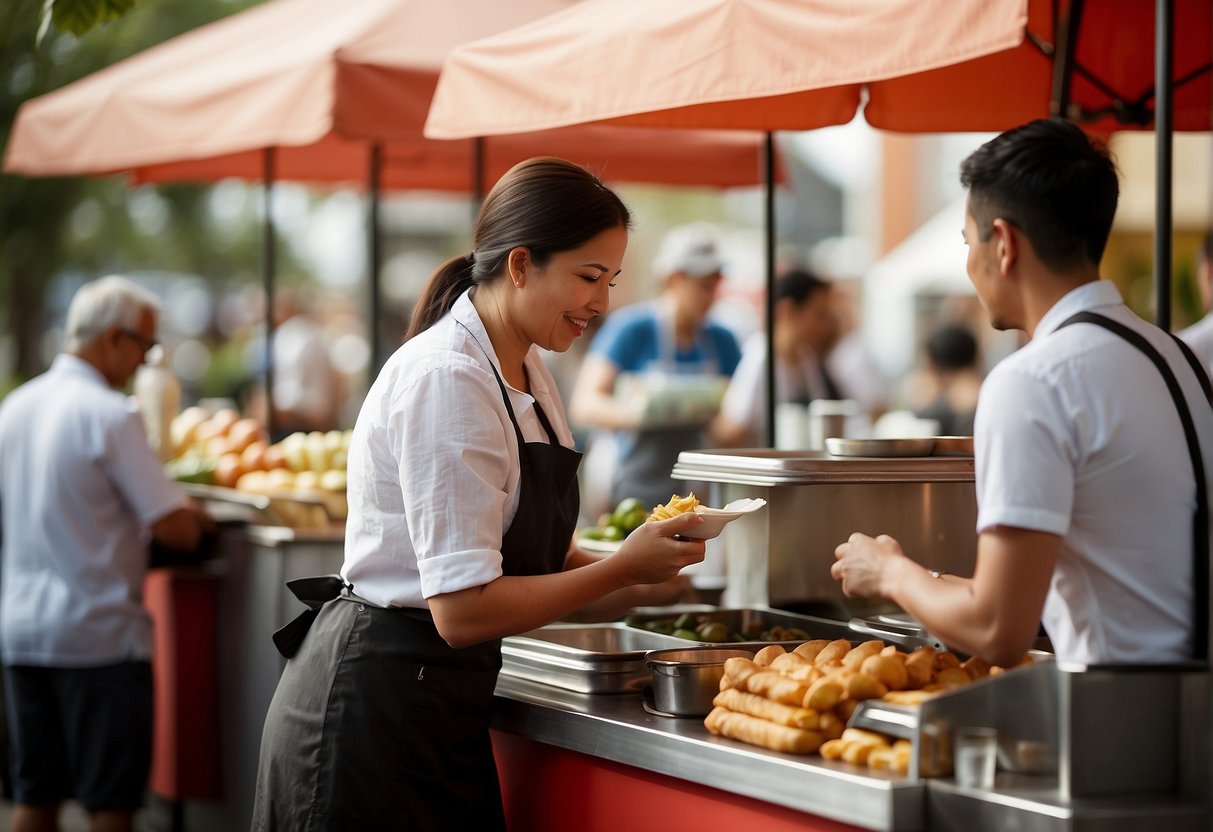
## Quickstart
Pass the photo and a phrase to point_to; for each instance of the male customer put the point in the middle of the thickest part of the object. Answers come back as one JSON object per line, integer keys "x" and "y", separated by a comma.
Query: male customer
{"x": 1199, "y": 336}
{"x": 1087, "y": 487}
{"x": 82, "y": 496}
{"x": 673, "y": 360}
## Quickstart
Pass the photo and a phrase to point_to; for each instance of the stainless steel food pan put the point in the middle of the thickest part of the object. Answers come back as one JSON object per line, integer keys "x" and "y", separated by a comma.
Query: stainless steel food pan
{"x": 754, "y": 622}
{"x": 587, "y": 658}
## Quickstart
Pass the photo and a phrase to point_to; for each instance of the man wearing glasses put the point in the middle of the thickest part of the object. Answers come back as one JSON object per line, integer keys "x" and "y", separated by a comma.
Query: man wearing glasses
{"x": 81, "y": 496}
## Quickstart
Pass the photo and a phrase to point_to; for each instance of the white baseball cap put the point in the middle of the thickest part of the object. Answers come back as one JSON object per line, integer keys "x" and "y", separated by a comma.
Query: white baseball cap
{"x": 693, "y": 250}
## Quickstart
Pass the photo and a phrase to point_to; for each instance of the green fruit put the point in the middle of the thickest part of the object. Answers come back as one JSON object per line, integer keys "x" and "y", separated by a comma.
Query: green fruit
{"x": 714, "y": 631}
{"x": 633, "y": 520}
{"x": 625, "y": 511}
{"x": 591, "y": 533}
{"x": 687, "y": 634}
{"x": 611, "y": 533}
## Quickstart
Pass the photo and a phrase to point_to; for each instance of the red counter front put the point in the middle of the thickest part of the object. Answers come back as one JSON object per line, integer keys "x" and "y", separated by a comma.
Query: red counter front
{"x": 185, "y": 737}
{"x": 550, "y": 789}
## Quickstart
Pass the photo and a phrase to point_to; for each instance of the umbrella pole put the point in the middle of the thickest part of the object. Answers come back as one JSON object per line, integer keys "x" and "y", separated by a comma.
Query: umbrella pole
{"x": 768, "y": 183}
{"x": 477, "y": 176}
{"x": 1063, "y": 60}
{"x": 268, "y": 160}
{"x": 1163, "y": 92}
{"x": 374, "y": 257}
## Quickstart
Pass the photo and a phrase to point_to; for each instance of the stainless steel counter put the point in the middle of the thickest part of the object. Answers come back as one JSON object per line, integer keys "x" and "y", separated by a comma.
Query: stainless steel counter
{"x": 616, "y": 727}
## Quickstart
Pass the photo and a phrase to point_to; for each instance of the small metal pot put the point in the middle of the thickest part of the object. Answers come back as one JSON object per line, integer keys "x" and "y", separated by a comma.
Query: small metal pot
{"x": 686, "y": 680}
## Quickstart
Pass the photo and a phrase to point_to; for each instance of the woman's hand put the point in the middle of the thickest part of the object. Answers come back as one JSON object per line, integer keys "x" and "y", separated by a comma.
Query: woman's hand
{"x": 861, "y": 563}
{"x": 652, "y": 553}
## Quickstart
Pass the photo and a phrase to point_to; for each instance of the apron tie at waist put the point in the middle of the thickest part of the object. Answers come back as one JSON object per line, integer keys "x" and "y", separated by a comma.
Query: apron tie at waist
{"x": 315, "y": 592}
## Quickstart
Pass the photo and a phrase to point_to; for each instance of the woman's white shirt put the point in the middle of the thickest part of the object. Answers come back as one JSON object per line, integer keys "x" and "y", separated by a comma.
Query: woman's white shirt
{"x": 433, "y": 467}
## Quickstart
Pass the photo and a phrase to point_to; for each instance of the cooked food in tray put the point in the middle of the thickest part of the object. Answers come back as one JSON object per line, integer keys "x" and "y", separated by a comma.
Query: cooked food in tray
{"x": 800, "y": 700}
{"x": 716, "y": 628}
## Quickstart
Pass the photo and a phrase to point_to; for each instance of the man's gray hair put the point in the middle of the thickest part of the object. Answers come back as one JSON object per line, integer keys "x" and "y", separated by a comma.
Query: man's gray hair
{"x": 109, "y": 301}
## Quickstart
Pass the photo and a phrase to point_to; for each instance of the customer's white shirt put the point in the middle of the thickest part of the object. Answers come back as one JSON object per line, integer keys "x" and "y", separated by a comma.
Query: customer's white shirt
{"x": 79, "y": 489}
{"x": 1077, "y": 435}
{"x": 1199, "y": 336}
{"x": 433, "y": 464}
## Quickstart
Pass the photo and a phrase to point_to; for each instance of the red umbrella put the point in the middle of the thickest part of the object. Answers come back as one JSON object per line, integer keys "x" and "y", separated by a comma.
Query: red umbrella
{"x": 924, "y": 65}
{"x": 317, "y": 91}
{"x": 322, "y": 84}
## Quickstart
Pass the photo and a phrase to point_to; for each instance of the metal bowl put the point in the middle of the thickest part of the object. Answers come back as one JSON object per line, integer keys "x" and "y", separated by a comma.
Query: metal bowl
{"x": 686, "y": 680}
{"x": 916, "y": 446}
{"x": 952, "y": 446}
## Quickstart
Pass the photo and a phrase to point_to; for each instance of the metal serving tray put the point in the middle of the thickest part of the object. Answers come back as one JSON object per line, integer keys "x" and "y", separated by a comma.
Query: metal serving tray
{"x": 751, "y": 618}
{"x": 610, "y": 657}
{"x": 587, "y": 658}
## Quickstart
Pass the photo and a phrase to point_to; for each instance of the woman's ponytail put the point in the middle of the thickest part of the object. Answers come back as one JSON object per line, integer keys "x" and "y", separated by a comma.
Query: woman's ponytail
{"x": 446, "y": 284}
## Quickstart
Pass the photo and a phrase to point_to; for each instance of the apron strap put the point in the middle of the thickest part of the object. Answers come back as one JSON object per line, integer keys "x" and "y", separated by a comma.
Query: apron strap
{"x": 315, "y": 592}
{"x": 1200, "y": 521}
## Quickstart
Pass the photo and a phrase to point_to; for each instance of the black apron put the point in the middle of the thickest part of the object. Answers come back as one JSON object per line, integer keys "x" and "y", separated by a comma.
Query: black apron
{"x": 377, "y": 723}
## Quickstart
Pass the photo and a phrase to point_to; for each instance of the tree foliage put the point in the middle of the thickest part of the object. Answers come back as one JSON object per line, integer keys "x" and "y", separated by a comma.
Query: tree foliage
{"x": 52, "y": 225}
{"x": 79, "y": 16}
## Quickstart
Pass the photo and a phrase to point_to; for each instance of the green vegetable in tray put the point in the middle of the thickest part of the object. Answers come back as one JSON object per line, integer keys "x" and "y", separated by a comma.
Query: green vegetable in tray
{"x": 703, "y": 627}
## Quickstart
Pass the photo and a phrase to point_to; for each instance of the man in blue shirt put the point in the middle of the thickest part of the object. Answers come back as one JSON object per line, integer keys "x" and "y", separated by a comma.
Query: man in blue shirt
{"x": 657, "y": 370}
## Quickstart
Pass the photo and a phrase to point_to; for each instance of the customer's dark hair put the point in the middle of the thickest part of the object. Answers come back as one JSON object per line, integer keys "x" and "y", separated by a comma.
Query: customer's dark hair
{"x": 952, "y": 347}
{"x": 546, "y": 204}
{"x": 799, "y": 286}
{"x": 1053, "y": 182}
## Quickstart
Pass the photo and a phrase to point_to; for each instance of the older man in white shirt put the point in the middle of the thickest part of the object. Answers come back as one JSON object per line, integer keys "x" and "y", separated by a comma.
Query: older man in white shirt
{"x": 82, "y": 496}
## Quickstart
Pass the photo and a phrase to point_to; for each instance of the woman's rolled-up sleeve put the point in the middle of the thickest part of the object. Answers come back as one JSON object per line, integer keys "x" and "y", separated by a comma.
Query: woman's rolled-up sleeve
{"x": 458, "y": 473}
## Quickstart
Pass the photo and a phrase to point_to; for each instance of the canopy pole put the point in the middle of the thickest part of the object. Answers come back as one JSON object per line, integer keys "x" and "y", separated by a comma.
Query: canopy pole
{"x": 768, "y": 183}
{"x": 1163, "y": 128}
{"x": 268, "y": 245}
{"x": 1063, "y": 60}
{"x": 477, "y": 176}
{"x": 374, "y": 259}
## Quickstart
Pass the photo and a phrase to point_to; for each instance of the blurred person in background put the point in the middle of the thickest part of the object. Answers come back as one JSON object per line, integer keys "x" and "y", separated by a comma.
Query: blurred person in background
{"x": 852, "y": 363}
{"x": 805, "y": 327}
{"x": 463, "y": 504}
{"x": 1199, "y": 336}
{"x": 82, "y": 496}
{"x": 308, "y": 389}
{"x": 656, "y": 370}
{"x": 947, "y": 386}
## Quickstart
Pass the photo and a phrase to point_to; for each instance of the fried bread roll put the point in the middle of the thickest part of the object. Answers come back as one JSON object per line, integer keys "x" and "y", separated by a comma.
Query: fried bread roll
{"x": 796, "y": 667}
{"x": 810, "y": 649}
{"x": 767, "y": 654}
{"x": 763, "y": 708}
{"x": 761, "y": 732}
{"x": 775, "y": 686}
{"x": 832, "y": 652}
{"x": 855, "y": 656}
{"x": 738, "y": 670}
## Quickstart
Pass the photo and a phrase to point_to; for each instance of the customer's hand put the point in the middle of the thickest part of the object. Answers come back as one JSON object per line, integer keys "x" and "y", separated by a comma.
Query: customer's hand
{"x": 860, "y": 564}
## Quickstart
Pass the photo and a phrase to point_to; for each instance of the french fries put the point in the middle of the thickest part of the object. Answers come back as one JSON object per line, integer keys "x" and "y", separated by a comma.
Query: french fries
{"x": 676, "y": 506}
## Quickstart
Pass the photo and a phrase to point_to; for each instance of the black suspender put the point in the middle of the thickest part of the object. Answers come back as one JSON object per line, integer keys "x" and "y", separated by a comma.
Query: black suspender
{"x": 1200, "y": 520}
